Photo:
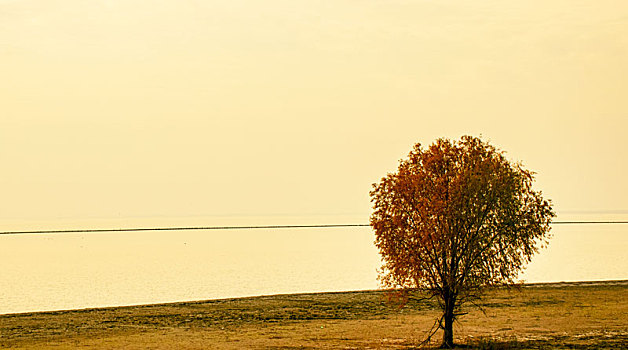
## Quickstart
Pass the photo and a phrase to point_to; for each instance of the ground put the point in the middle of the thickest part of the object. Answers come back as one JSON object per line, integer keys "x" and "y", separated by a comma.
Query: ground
{"x": 564, "y": 315}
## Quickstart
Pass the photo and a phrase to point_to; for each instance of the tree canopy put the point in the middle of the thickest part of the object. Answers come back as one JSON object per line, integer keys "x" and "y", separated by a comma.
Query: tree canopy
{"x": 455, "y": 218}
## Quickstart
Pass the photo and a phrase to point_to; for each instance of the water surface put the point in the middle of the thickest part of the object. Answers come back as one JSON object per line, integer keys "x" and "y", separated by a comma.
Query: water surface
{"x": 69, "y": 271}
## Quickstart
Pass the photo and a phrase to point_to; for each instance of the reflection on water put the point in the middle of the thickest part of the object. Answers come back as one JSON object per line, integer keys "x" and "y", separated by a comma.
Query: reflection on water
{"x": 66, "y": 271}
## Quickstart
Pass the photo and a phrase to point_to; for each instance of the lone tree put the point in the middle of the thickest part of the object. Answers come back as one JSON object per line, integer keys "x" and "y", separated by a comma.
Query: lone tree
{"x": 456, "y": 218}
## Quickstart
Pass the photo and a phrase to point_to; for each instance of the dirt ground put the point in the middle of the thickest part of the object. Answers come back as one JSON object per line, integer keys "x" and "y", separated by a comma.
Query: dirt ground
{"x": 545, "y": 316}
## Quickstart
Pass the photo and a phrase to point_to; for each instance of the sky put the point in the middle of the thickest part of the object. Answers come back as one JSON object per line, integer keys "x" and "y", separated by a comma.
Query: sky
{"x": 160, "y": 113}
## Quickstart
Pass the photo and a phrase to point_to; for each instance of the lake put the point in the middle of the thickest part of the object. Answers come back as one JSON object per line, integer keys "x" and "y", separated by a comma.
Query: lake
{"x": 41, "y": 272}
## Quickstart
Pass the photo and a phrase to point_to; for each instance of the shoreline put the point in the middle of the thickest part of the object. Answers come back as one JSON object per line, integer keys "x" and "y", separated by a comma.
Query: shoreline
{"x": 591, "y": 314}
{"x": 185, "y": 302}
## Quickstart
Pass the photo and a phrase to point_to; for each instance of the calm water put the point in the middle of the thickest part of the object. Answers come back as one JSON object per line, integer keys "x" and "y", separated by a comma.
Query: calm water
{"x": 68, "y": 271}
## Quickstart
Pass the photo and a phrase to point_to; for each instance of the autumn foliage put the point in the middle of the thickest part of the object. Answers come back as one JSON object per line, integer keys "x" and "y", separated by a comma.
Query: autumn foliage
{"x": 455, "y": 218}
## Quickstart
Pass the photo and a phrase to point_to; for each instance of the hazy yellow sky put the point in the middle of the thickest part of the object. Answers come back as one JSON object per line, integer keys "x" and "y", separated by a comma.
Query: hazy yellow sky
{"x": 188, "y": 111}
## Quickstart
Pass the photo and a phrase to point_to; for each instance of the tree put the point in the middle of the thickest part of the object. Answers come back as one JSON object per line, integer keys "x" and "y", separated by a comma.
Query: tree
{"x": 454, "y": 219}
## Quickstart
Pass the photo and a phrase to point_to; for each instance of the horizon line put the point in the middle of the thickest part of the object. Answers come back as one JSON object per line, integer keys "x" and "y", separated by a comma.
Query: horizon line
{"x": 253, "y": 227}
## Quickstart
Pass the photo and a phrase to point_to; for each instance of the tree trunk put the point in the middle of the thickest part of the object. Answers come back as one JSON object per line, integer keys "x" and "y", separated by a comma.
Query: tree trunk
{"x": 448, "y": 333}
